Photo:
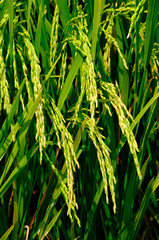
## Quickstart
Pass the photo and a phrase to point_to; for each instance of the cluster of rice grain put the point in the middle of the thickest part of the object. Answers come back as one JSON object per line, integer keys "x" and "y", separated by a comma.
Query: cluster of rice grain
{"x": 69, "y": 3}
{"x": 16, "y": 82}
{"x": 61, "y": 79}
{"x": 110, "y": 40}
{"x": 88, "y": 75}
{"x": 123, "y": 121}
{"x": 65, "y": 193}
{"x": 137, "y": 14}
{"x": 24, "y": 68}
{"x": 67, "y": 144}
{"x": 83, "y": 90}
{"x": 107, "y": 48}
{"x": 4, "y": 86}
{"x": 103, "y": 154}
{"x": 82, "y": 20}
{"x": 1, "y": 2}
{"x": 154, "y": 61}
{"x": 35, "y": 78}
{"x": 54, "y": 35}
{"x": 91, "y": 85}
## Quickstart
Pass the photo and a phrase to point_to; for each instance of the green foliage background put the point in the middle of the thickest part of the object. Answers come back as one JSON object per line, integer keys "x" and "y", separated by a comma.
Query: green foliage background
{"x": 79, "y": 119}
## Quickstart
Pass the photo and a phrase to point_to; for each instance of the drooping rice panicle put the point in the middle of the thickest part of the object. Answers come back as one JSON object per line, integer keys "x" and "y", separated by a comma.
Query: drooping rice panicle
{"x": 154, "y": 61}
{"x": 54, "y": 35}
{"x": 4, "y": 86}
{"x": 69, "y": 3}
{"x": 35, "y": 78}
{"x": 123, "y": 121}
{"x": 83, "y": 90}
{"x": 111, "y": 40}
{"x": 1, "y": 2}
{"x": 82, "y": 20}
{"x": 91, "y": 80}
{"x": 67, "y": 144}
{"x": 4, "y": 20}
{"x": 24, "y": 67}
{"x": 103, "y": 155}
{"x": 61, "y": 79}
{"x": 89, "y": 74}
{"x": 16, "y": 83}
{"x": 107, "y": 48}
{"x": 65, "y": 192}
{"x": 135, "y": 17}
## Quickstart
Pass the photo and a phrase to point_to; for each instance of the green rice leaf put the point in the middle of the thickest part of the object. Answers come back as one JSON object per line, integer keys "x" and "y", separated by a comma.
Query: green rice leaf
{"x": 150, "y": 31}
{"x": 18, "y": 169}
{"x": 8, "y": 232}
{"x": 98, "y": 9}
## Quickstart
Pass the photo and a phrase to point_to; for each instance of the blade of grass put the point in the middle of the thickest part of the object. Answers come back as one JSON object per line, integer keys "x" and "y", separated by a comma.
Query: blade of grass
{"x": 150, "y": 31}
{"x": 15, "y": 212}
{"x": 18, "y": 169}
{"x": 89, "y": 9}
{"x": 28, "y": 16}
{"x": 21, "y": 136}
{"x": 122, "y": 72}
{"x": 143, "y": 172}
{"x": 93, "y": 209}
{"x": 128, "y": 198}
{"x": 64, "y": 12}
{"x": 141, "y": 211}
{"x": 52, "y": 223}
{"x": 11, "y": 11}
{"x": 65, "y": 19}
{"x": 38, "y": 30}
{"x": 149, "y": 124}
{"x": 6, "y": 235}
{"x": 98, "y": 9}
{"x": 136, "y": 75}
{"x": 3, "y": 219}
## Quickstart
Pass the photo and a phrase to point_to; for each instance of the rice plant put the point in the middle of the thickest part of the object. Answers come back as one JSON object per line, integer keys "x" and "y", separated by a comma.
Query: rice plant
{"x": 79, "y": 119}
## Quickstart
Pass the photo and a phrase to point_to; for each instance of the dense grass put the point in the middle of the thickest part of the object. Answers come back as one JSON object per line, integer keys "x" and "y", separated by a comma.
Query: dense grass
{"x": 79, "y": 119}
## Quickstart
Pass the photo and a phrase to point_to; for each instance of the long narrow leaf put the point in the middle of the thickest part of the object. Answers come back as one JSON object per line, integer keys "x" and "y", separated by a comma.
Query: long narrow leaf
{"x": 5, "y": 236}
